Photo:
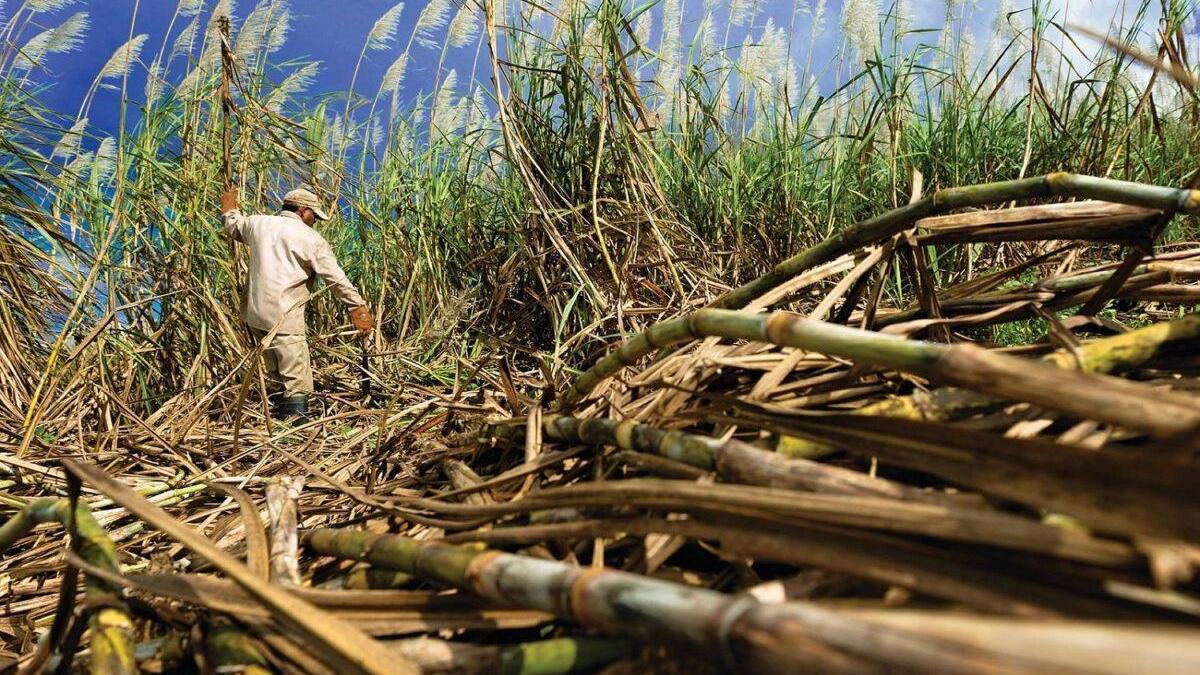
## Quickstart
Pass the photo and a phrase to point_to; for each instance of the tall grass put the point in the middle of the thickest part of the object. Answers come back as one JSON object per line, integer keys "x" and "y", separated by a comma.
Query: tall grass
{"x": 603, "y": 164}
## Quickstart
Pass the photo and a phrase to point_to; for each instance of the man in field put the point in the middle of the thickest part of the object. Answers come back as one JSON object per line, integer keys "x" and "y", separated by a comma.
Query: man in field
{"x": 286, "y": 257}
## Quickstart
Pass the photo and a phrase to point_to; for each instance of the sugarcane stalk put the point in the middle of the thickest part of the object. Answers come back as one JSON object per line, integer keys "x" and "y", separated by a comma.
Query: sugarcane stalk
{"x": 1086, "y": 395}
{"x": 365, "y": 577}
{"x": 787, "y": 507}
{"x": 733, "y": 460}
{"x": 741, "y": 632}
{"x": 112, "y": 640}
{"x": 463, "y": 477}
{"x": 1106, "y": 355}
{"x": 223, "y": 24}
{"x": 165, "y": 654}
{"x": 659, "y": 466}
{"x": 610, "y": 601}
{"x": 893, "y": 222}
{"x": 557, "y": 656}
{"x": 229, "y": 649}
{"x": 1080, "y": 281}
{"x": 924, "y": 568}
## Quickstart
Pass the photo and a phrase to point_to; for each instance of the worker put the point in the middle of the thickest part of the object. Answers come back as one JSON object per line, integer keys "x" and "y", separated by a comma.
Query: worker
{"x": 285, "y": 258}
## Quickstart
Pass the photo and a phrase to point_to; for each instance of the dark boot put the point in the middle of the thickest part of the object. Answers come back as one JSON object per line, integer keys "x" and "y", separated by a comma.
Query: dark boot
{"x": 295, "y": 405}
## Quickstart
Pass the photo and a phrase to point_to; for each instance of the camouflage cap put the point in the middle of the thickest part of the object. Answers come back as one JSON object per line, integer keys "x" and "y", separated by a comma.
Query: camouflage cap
{"x": 302, "y": 197}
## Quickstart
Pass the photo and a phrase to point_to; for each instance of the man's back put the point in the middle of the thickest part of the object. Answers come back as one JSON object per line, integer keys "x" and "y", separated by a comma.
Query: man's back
{"x": 285, "y": 256}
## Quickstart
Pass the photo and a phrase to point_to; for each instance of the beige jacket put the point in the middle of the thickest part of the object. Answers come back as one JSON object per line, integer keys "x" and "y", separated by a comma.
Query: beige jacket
{"x": 286, "y": 257}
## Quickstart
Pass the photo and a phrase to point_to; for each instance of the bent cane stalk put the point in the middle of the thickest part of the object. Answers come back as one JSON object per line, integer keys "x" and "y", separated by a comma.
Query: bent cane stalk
{"x": 746, "y": 634}
{"x": 897, "y": 220}
{"x": 228, "y": 649}
{"x": 733, "y": 460}
{"x": 1106, "y": 355}
{"x": 1086, "y": 395}
{"x": 112, "y": 639}
{"x": 556, "y": 656}
{"x": 617, "y": 602}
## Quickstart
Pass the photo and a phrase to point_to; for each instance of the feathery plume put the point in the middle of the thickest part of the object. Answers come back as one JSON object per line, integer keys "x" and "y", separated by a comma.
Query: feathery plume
{"x": 123, "y": 58}
{"x": 81, "y": 166}
{"x": 707, "y": 34}
{"x": 477, "y": 119}
{"x": 211, "y": 55}
{"x": 430, "y": 20}
{"x": 384, "y": 30}
{"x": 190, "y": 84}
{"x": 903, "y": 15}
{"x": 339, "y": 135}
{"x": 966, "y": 51}
{"x": 671, "y": 40}
{"x": 445, "y": 113}
{"x": 291, "y": 85}
{"x": 66, "y": 37}
{"x": 184, "y": 41}
{"x": 280, "y": 25}
{"x": 1006, "y": 24}
{"x": 188, "y": 8}
{"x": 393, "y": 79}
{"x": 464, "y": 25}
{"x": 742, "y": 12}
{"x": 40, "y": 6}
{"x": 154, "y": 82}
{"x": 568, "y": 13}
{"x": 106, "y": 159}
{"x": 223, "y": 8}
{"x": 253, "y": 33}
{"x": 375, "y": 137}
{"x": 669, "y": 46}
{"x": 818, "y": 17}
{"x": 860, "y": 26}
{"x": 725, "y": 97}
{"x": 793, "y": 93}
{"x": 764, "y": 65}
{"x": 642, "y": 27}
{"x": 593, "y": 39}
{"x": 68, "y": 146}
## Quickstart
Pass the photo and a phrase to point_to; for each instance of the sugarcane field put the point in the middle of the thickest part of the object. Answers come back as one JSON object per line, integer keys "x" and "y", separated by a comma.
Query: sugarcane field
{"x": 599, "y": 336}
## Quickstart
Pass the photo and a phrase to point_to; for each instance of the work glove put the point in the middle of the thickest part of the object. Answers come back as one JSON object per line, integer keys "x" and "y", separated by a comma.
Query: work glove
{"x": 229, "y": 200}
{"x": 363, "y": 321}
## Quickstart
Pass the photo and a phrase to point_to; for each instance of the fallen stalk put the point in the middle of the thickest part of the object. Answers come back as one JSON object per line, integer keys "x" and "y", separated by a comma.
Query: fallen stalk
{"x": 557, "y": 656}
{"x": 1107, "y": 355}
{"x": 229, "y": 649}
{"x": 112, "y": 641}
{"x": 1109, "y": 490}
{"x": 898, "y": 220}
{"x": 789, "y": 507}
{"x": 734, "y": 461}
{"x": 742, "y": 632}
{"x": 930, "y": 570}
{"x": 1086, "y": 395}
{"x": 607, "y": 600}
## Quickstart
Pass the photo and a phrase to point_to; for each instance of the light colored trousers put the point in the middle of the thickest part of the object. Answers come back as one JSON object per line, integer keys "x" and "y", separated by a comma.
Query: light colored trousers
{"x": 287, "y": 362}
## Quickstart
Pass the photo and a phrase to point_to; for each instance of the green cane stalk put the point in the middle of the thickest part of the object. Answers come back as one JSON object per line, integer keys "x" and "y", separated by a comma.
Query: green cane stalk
{"x": 1086, "y": 395}
{"x": 112, "y": 639}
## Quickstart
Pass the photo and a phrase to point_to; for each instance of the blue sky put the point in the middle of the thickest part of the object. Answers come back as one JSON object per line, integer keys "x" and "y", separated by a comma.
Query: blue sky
{"x": 332, "y": 32}
{"x": 329, "y": 31}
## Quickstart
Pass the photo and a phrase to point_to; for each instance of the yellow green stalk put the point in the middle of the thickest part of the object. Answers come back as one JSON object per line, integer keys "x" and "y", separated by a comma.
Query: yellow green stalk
{"x": 1106, "y": 355}
{"x": 1091, "y": 396}
{"x": 112, "y": 639}
{"x": 897, "y": 220}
